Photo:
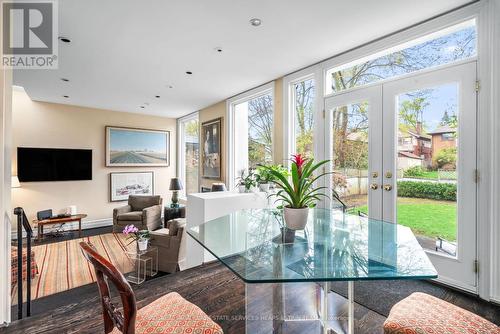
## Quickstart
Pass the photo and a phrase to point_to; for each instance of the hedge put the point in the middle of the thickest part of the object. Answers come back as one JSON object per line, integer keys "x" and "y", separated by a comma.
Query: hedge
{"x": 430, "y": 190}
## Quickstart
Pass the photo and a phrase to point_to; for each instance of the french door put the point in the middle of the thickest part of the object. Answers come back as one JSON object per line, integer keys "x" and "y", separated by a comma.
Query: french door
{"x": 404, "y": 151}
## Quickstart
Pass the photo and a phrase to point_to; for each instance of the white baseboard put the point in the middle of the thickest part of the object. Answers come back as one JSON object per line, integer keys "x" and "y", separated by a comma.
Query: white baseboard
{"x": 455, "y": 284}
{"x": 88, "y": 224}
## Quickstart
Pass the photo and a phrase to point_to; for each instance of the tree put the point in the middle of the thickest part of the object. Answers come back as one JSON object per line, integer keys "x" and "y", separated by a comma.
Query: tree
{"x": 350, "y": 135}
{"x": 304, "y": 100}
{"x": 411, "y": 111}
{"x": 192, "y": 128}
{"x": 445, "y": 120}
{"x": 260, "y": 125}
{"x": 446, "y": 157}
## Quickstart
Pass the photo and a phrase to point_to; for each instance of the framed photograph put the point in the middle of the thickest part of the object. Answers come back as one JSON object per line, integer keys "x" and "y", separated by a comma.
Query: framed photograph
{"x": 130, "y": 147}
{"x": 211, "y": 148}
{"x": 124, "y": 184}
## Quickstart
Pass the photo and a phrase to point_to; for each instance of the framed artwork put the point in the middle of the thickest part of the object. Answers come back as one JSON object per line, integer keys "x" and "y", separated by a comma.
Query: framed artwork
{"x": 130, "y": 147}
{"x": 123, "y": 184}
{"x": 211, "y": 148}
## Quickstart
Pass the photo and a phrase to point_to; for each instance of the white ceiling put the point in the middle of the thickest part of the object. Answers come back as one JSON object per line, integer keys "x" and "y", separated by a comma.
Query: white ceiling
{"x": 123, "y": 53}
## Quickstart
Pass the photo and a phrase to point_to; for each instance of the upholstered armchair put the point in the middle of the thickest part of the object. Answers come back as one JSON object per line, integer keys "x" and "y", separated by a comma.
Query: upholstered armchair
{"x": 144, "y": 212}
{"x": 171, "y": 243}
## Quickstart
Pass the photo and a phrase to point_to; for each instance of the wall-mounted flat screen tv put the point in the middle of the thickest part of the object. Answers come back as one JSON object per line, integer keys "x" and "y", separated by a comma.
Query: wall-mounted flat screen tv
{"x": 53, "y": 164}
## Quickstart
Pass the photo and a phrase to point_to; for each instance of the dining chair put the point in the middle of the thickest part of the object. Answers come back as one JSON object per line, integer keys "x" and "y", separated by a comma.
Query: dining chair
{"x": 170, "y": 313}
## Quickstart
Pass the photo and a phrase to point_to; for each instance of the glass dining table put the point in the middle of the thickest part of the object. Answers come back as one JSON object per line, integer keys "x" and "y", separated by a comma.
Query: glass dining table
{"x": 288, "y": 274}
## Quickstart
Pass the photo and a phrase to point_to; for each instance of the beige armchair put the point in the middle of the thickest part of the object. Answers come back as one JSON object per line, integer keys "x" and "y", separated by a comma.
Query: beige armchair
{"x": 171, "y": 245}
{"x": 144, "y": 212}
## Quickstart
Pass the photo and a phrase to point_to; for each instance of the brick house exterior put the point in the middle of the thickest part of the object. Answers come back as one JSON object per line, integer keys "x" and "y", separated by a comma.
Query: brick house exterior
{"x": 415, "y": 144}
{"x": 443, "y": 137}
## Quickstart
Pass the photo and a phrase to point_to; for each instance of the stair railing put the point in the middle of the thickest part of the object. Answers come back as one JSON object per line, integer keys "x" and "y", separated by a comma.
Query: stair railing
{"x": 23, "y": 223}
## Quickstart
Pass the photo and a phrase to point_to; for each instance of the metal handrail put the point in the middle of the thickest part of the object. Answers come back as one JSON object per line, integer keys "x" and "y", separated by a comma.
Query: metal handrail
{"x": 23, "y": 223}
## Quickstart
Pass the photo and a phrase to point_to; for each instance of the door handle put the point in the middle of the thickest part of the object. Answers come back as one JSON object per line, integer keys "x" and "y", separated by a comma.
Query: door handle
{"x": 374, "y": 186}
{"x": 387, "y": 187}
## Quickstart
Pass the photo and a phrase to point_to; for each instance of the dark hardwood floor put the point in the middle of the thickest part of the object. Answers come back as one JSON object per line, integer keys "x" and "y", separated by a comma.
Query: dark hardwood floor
{"x": 222, "y": 296}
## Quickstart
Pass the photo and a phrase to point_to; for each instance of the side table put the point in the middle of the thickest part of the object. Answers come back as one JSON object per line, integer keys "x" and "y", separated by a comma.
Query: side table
{"x": 61, "y": 220}
{"x": 145, "y": 263}
{"x": 172, "y": 213}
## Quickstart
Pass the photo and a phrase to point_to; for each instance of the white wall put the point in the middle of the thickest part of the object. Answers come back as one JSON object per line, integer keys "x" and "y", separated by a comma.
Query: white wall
{"x": 5, "y": 196}
{"x": 39, "y": 124}
{"x": 494, "y": 10}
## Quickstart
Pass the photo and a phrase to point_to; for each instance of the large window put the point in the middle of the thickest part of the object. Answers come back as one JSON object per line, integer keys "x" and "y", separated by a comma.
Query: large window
{"x": 458, "y": 42}
{"x": 303, "y": 108}
{"x": 189, "y": 153}
{"x": 251, "y": 130}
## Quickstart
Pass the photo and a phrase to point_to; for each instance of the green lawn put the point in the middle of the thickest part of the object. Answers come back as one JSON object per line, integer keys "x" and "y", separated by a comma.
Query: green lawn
{"x": 429, "y": 175}
{"x": 426, "y": 217}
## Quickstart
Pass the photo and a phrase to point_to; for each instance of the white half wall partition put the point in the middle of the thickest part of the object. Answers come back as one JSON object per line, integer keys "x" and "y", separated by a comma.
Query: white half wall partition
{"x": 203, "y": 207}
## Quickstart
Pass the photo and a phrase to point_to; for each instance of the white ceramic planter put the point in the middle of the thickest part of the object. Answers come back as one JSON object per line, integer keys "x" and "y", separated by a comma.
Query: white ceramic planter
{"x": 264, "y": 187}
{"x": 296, "y": 219}
{"x": 241, "y": 189}
{"x": 142, "y": 244}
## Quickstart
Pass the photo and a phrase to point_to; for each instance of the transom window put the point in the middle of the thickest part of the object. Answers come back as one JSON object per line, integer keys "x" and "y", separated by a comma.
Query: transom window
{"x": 446, "y": 46}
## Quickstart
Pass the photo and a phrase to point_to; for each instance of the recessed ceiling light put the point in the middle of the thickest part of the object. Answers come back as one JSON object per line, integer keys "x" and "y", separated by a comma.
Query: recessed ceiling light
{"x": 142, "y": 107}
{"x": 170, "y": 86}
{"x": 64, "y": 39}
{"x": 256, "y": 22}
{"x": 157, "y": 96}
{"x": 65, "y": 96}
{"x": 64, "y": 79}
{"x": 218, "y": 49}
{"x": 189, "y": 72}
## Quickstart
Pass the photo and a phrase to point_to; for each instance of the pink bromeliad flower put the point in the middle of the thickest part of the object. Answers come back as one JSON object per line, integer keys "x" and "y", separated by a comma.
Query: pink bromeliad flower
{"x": 130, "y": 229}
{"x": 299, "y": 161}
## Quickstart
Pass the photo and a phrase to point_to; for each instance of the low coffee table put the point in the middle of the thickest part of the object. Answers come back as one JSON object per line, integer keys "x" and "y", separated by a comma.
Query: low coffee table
{"x": 63, "y": 220}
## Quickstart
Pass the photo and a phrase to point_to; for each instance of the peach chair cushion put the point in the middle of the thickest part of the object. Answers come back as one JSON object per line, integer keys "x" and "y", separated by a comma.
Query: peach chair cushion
{"x": 420, "y": 313}
{"x": 174, "y": 315}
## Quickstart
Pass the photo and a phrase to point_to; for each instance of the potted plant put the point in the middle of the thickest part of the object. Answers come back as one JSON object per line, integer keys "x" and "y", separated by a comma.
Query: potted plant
{"x": 299, "y": 193}
{"x": 263, "y": 178}
{"x": 246, "y": 183}
{"x": 141, "y": 236}
{"x": 279, "y": 169}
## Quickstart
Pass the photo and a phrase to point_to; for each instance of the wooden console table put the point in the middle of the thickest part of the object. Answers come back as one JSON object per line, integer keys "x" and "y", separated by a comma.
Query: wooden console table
{"x": 62, "y": 220}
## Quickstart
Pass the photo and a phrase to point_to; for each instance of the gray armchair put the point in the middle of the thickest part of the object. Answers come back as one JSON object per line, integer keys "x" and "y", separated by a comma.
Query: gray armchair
{"x": 171, "y": 245}
{"x": 144, "y": 212}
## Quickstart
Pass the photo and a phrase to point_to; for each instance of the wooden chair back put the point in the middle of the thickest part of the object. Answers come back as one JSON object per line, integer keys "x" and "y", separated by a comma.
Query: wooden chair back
{"x": 105, "y": 271}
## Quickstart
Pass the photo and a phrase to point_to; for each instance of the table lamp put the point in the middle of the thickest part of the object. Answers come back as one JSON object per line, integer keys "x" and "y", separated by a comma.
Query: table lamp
{"x": 218, "y": 187}
{"x": 175, "y": 186}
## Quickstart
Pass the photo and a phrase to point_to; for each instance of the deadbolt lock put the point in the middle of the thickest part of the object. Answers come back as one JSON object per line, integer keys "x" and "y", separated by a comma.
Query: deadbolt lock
{"x": 374, "y": 186}
{"x": 388, "y": 175}
{"x": 387, "y": 187}
{"x": 374, "y": 175}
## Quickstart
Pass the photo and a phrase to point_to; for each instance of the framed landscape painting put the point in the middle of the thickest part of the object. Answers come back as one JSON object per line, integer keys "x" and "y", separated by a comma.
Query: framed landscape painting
{"x": 211, "y": 148}
{"x": 124, "y": 184}
{"x": 130, "y": 147}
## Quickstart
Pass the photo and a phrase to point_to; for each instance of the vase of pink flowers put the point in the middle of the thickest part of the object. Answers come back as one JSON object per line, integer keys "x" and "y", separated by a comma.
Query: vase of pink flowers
{"x": 140, "y": 236}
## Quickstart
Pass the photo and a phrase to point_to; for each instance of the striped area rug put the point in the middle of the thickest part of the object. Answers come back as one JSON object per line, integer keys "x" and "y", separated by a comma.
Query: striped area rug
{"x": 61, "y": 265}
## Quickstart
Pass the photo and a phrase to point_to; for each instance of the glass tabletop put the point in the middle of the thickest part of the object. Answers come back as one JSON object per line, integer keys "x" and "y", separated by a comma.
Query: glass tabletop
{"x": 333, "y": 247}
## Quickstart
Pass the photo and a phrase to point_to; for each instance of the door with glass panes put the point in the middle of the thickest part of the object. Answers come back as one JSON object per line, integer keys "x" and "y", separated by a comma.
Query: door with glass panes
{"x": 404, "y": 151}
